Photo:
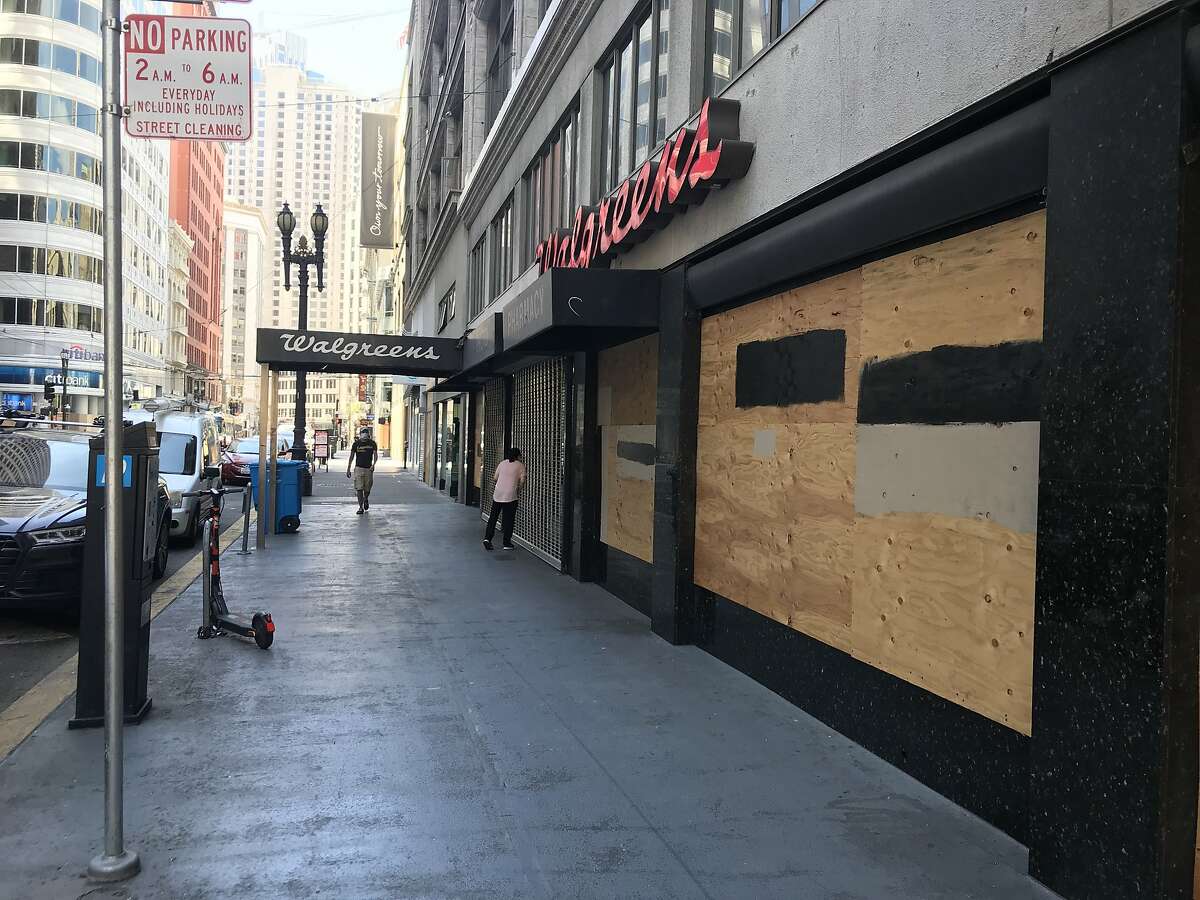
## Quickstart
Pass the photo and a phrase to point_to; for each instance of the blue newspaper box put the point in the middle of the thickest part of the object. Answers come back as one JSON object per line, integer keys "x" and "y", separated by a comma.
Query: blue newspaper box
{"x": 289, "y": 477}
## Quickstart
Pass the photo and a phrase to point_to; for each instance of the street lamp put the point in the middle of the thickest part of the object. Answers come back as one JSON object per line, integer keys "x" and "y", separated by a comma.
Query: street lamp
{"x": 303, "y": 258}
{"x": 65, "y": 356}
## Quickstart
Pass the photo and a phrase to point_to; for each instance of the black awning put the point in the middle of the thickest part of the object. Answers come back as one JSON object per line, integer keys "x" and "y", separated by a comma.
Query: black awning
{"x": 369, "y": 354}
{"x": 580, "y": 309}
{"x": 482, "y": 349}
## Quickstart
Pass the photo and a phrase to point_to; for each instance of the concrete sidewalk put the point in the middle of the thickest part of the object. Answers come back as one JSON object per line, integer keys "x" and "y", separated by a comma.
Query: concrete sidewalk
{"x": 437, "y": 722}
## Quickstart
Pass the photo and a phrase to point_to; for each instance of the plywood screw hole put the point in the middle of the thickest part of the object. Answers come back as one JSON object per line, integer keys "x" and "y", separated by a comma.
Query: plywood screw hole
{"x": 1032, "y": 236}
{"x": 995, "y": 643}
{"x": 878, "y": 568}
{"x": 883, "y": 617}
{"x": 889, "y": 540}
{"x": 1027, "y": 312}
{"x": 987, "y": 598}
{"x": 1009, "y": 548}
{"x": 907, "y": 344}
{"x": 1020, "y": 634}
{"x": 1010, "y": 692}
{"x": 897, "y": 309}
{"x": 900, "y": 600}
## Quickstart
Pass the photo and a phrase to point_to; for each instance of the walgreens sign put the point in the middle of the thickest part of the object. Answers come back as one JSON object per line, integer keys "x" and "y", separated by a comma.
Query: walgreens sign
{"x": 691, "y": 163}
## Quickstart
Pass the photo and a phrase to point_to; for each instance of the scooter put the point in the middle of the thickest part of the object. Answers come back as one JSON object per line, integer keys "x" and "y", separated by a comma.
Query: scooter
{"x": 217, "y": 619}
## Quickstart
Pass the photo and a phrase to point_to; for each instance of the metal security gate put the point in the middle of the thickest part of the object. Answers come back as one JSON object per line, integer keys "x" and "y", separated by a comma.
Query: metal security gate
{"x": 539, "y": 428}
{"x": 494, "y": 402}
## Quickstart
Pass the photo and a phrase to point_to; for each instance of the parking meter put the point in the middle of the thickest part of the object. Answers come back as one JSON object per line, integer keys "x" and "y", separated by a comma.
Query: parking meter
{"x": 139, "y": 521}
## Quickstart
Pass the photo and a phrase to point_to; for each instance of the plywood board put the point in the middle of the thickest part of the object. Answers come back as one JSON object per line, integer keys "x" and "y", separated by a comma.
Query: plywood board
{"x": 947, "y": 604}
{"x": 834, "y": 303}
{"x": 627, "y": 493}
{"x": 627, "y": 378}
{"x": 773, "y": 531}
{"x": 977, "y": 289}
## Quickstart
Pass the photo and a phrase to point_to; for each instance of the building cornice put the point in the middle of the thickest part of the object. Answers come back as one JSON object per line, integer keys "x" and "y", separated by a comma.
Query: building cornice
{"x": 564, "y": 29}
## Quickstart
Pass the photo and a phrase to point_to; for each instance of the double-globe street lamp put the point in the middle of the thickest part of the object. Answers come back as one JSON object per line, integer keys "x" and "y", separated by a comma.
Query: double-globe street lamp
{"x": 303, "y": 258}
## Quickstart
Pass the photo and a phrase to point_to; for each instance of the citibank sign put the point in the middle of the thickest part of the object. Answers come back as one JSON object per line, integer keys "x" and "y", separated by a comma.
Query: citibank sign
{"x": 691, "y": 163}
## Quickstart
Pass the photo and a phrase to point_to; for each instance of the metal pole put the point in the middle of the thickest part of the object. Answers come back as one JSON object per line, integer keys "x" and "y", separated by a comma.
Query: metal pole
{"x": 245, "y": 551}
{"x": 63, "y": 415}
{"x": 116, "y": 863}
{"x": 271, "y": 473}
{"x": 300, "y": 424}
{"x": 264, "y": 412}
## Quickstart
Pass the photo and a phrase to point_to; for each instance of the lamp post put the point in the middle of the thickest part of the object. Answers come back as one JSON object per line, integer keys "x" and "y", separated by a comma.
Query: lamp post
{"x": 65, "y": 356}
{"x": 302, "y": 258}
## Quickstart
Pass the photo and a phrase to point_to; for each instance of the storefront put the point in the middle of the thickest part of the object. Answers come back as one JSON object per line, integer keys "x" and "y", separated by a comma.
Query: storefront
{"x": 869, "y": 447}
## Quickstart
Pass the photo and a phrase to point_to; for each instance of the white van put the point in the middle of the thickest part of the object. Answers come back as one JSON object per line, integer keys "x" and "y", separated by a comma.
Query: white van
{"x": 187, "y": 445}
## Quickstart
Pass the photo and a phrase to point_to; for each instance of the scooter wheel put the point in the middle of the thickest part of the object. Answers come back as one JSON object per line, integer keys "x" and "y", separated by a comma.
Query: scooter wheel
{"x": 264, "y": 636}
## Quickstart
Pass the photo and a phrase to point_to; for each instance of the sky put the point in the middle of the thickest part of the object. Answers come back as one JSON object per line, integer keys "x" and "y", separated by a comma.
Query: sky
{"x": 355, "y": 44}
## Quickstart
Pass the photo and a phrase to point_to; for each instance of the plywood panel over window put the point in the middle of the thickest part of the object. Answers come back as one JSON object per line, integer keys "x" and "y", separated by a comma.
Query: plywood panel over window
{"x": 867, "y": 463}
{"x": 627, "y": 383}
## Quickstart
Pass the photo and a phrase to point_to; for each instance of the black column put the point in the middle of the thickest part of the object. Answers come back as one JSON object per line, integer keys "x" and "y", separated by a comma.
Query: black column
{"x": 1113, "y": 778}
{"x": 583, "y": 469}
{"x": 672, "y": 609}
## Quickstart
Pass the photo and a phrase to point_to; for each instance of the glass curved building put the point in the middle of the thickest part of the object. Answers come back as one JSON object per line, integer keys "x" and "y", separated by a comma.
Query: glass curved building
{"x": 51, "y": 220}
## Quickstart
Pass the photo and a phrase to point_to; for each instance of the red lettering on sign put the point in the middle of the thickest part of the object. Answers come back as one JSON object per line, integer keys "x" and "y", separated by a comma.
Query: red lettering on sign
{"x": 689, "y": 163}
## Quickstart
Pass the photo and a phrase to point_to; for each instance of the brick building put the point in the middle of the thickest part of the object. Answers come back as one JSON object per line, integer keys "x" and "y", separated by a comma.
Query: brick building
{"x": 196, "y": 203}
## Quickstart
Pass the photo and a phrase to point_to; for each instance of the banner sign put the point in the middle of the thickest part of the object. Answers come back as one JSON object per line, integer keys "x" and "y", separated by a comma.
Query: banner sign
{"x": 39, "y": 375}
{"x": 369, "y": 354}
{"x": 378, "y": 181}
{"x": 690, "y": 163}
{"x": 187, "y": 77}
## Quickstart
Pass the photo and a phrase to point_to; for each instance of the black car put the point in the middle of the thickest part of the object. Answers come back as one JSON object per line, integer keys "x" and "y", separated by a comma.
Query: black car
{"x": 43, "y": 504}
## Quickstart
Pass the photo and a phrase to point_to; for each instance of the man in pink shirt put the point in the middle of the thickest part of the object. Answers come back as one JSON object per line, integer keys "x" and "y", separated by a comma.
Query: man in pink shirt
{"x": 510, "y": 477}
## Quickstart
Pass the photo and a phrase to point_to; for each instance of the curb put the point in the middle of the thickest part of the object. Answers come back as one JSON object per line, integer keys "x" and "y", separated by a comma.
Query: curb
{"x": 32, "y": 708}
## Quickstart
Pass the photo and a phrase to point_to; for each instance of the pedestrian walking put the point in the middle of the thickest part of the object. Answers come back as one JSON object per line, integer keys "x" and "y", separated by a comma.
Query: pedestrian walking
{"x": 364, "y": 453}
{"x": 510, "y": 478}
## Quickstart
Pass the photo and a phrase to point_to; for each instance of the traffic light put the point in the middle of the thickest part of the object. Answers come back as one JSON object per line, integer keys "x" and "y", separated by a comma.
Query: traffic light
{"x": 49, "y": 390}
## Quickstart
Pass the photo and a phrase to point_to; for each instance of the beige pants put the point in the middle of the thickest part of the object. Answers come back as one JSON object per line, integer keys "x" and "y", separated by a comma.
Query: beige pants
{"x": 363, "y": 478}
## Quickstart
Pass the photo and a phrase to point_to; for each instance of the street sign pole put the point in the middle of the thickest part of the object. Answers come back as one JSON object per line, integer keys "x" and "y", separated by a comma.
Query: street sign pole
{"x": 117, "y": 862}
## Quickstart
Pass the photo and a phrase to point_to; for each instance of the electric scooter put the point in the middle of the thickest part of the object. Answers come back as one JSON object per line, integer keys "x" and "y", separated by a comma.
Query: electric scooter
{"x": 217, "y": 619}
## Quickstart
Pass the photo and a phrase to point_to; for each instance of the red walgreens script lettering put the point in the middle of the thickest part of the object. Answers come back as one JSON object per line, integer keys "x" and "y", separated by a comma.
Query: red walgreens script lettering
{"x": 690, "y": 163}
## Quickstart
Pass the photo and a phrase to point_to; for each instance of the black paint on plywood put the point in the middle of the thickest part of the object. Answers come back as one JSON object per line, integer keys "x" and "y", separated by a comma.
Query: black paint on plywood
{"x": 951, "y": 384}
{"x": 627, "y": 578}
{"x": 635, "y": 451}
{"x": 979, "y": 764}
{"x": 809, "y": 367}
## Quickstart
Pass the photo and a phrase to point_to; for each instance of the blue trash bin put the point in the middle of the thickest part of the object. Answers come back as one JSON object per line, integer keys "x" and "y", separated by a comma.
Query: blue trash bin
{"x": 289, "y": 479}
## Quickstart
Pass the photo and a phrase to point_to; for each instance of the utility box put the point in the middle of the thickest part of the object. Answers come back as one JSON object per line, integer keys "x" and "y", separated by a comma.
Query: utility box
{"x": 139, "y": 521}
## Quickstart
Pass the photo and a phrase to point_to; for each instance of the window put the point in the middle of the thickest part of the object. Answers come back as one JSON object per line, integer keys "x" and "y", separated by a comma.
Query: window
{"x": 739, "y": 30}
{"x": 633, "y": 95}
{"x": 500, "y": 63}
{"x": 445, "y": 311}
{"x": 502, "y": 249}
{"x": 476, "y": 277}
{"x": 549, "y": 186}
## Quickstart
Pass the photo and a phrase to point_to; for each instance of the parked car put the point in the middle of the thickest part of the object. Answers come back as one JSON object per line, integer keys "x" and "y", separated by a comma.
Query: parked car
{"x": 187, "y": 451}
{"x": 235, "y": 471}
{"x": 43, "y": 509}
{"x": 246, "y": 449}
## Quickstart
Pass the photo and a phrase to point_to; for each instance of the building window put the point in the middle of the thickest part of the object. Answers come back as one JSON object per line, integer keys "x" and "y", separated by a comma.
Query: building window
{"x": 477, "y": 277}
{"x": 633, "y": 95}
{"x": 549, "y": 185}
{"x": 445, "y": 311}
{"x": 502, "y": 248}
{"x": 739, "y": 30}
{"x": 500, "y": 62}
